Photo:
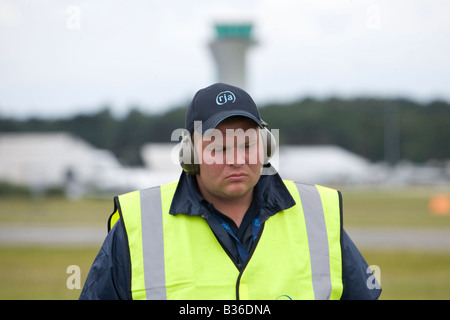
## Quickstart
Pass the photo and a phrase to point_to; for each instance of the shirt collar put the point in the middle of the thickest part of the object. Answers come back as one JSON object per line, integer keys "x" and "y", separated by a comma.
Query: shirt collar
{"x": 270, "y": 194}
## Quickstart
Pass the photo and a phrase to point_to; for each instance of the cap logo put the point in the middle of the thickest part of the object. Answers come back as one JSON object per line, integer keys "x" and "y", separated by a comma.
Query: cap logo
{"x": 224, "y": 97}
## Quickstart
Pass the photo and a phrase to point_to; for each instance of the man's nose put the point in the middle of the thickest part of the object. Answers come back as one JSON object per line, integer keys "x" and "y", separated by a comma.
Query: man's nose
{"x": 236, "y": 156}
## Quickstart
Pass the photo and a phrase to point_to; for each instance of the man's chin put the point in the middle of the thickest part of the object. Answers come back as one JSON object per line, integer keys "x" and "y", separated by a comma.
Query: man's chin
{"x": 237, "y": 190}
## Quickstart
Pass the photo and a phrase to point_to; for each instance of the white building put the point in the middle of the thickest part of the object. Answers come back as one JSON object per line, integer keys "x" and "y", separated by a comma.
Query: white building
{"x": 323, "y": 164}
{"x": 42, "y": 160}
{"x": 161, "y": 160}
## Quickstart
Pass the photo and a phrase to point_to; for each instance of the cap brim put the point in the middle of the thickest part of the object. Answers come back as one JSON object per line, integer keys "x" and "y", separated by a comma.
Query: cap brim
{"x": 214, "y": 120}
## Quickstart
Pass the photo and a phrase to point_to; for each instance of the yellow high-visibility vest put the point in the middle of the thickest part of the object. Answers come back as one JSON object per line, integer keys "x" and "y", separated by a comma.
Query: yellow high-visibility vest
{"x": 298, "y": 254}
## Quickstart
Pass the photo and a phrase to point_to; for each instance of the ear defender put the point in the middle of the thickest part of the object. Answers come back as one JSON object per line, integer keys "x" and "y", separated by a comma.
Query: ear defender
{"x": 270, "y": 144}
{"x": 188, "y": 157}
{"x": 189, "y": 160}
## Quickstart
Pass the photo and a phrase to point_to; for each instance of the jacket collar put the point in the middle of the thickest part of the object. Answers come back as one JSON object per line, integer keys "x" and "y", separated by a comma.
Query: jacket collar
{"x": 270, "y": 194}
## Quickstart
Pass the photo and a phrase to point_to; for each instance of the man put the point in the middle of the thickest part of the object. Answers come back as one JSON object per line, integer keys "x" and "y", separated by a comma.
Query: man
{"x": 225, "y": 230}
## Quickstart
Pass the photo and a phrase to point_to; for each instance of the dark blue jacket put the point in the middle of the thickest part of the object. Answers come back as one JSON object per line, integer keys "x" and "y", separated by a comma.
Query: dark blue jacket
{"x": 110, "y": 276}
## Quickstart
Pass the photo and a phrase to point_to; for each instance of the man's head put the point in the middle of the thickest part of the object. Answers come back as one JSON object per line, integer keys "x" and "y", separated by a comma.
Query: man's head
{"x": 224, "y": 124}
{"x": 231, "y": 154}
{"x": 215, "y": 103}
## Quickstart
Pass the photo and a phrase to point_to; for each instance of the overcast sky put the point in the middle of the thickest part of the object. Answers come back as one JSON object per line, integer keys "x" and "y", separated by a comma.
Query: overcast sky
{"x": 60, "y": 57}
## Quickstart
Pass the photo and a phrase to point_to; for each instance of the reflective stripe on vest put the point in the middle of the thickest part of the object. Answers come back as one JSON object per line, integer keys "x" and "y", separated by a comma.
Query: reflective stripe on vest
{"x": 315, "y": 202}
{"x": 165, "y": 250}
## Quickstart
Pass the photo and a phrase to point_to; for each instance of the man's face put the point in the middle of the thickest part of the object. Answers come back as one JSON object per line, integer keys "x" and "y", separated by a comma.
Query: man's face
{"x": 231, "y": 156}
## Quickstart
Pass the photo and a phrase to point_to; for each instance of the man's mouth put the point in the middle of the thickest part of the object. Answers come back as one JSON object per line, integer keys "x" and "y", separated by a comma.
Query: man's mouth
{"x": 238, "y": 176}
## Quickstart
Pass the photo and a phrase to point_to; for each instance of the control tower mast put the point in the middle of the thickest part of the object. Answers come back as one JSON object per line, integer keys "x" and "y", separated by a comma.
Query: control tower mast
{"x": 229, "y": 51}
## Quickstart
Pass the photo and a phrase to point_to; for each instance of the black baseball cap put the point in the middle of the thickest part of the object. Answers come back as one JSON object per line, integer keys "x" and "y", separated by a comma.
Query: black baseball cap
{"x": 215, "y": 103}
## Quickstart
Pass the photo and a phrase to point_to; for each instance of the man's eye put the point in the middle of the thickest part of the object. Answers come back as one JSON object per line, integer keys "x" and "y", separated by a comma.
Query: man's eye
{"x": 250, "y": 145}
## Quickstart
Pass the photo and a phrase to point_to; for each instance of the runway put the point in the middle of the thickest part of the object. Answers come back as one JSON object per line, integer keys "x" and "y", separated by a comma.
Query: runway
{"x": 53, "y": 236}
{"x": 416, "y": 239}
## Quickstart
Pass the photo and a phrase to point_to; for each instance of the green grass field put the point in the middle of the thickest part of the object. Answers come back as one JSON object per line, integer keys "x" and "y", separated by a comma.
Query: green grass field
{"x": 41, "y": 273}
{"x": 33, "y": 272}
{"x": 402, "y": 208}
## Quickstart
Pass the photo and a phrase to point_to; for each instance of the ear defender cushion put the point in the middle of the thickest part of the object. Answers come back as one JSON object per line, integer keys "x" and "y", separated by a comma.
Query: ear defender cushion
{"x": 187, "y": 155}
{"x": 270, "y": 144}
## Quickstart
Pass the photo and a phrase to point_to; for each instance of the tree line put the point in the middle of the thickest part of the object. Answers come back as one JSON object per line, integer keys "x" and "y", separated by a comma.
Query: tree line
{"x": 377, "y": 129}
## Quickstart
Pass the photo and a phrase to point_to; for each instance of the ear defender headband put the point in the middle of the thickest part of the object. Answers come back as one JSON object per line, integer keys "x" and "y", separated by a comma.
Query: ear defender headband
{"x": 189, "y": 162}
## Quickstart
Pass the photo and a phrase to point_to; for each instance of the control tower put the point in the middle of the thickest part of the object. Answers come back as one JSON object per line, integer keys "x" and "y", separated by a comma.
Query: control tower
{"x": 229, "y": 51}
